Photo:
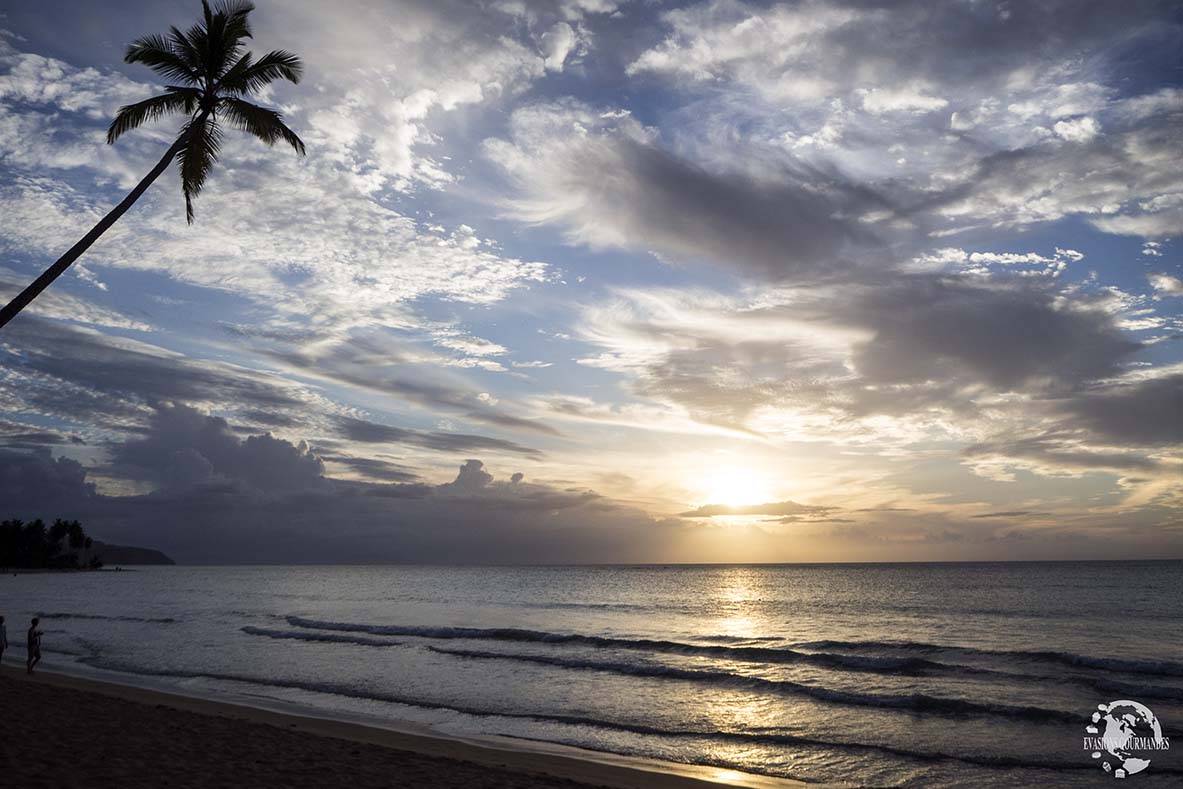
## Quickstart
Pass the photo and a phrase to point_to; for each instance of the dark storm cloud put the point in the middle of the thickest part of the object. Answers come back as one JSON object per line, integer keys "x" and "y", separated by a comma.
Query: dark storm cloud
{"x": 183, "y": 447}
{"x": 934, "y": 329}
{"x": 615, "y": 187}
{"x": 222, "y": 510}
{"x": 364, "y": 431}
{"x": 672, "y": 205}
{"x": 472, "y": 477}
{"x": 1146, "y": 413}
{"x": 1108, "y": 426}
{"x": 221, "y": 498}
{"x": 27, "y": 478}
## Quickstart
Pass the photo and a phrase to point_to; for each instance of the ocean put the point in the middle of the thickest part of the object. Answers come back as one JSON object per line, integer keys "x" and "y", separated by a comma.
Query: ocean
{"x": 978, "y": 674}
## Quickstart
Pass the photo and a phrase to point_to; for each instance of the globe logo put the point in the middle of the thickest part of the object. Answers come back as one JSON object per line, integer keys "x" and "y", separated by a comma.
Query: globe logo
{"x": 1122, "y": 736}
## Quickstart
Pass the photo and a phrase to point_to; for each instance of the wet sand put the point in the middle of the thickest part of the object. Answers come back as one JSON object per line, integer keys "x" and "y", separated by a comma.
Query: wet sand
{"x": 65, "y": 731}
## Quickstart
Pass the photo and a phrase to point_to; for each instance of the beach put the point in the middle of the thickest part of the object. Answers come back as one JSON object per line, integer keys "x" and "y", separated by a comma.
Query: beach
{"x": 65, "y": 731}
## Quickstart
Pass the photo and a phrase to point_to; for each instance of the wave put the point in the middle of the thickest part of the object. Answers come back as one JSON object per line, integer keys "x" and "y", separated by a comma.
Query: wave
{"x": 1128, "y": 690}
{"x": 1108, "y": 686}
{"x": 875, "y": 664}
{"x": 160, "y": 621}
{"x": 914, "y": 702}
{"x": 1160, "y": 667}
{"x": 750, "y": 738}
{"x": 304, "y": 635}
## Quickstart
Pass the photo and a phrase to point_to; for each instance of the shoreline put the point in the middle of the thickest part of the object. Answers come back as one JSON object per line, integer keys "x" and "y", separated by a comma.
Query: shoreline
{"x": 540, "y": 764}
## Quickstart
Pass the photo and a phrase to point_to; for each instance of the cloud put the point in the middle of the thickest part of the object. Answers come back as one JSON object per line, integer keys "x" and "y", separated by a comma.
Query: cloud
{"x": 373, "y": 468}
{"x": 38, "y": 476}
{"x": 1143, "y": 413}
{"x": 328, "y": 242}
{"x": 1077, "y": 129}
{"x": 1009, "y": 337}
{"x": 905, "y": 346}
{"x": 25, "y": 436}
{"x": 557, "y": 44}
{"x": 378, "y": 364}
{"x": 184, "y": 447}
{"x": 1054, "y": 453}
{"x": 813, "y": 51}
{"x": 239, "y": 514}
{"x": 880, "y": 100}
{"x": 363, "y": 431}
{"x": 378, "y": 83}
{"x": 603, "y": 177}
{"x": 859, "y": 175}
{"x": 80, "y": 375}
{"x": 1165, "y": 284}
{"x": 854, "y": 88}
{"x": 786, "y": 508}
{"x": 1112, "y": 179}
{"x": 472, "y": 477}
{"x": 60, "y": 304}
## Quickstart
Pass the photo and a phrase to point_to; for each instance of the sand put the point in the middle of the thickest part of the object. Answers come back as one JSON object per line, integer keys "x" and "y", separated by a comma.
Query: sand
{"x": 65, "y": 731}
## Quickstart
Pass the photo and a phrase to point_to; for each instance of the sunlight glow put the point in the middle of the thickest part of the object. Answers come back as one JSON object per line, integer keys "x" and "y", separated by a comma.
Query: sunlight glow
{"x": 737, "y": 487}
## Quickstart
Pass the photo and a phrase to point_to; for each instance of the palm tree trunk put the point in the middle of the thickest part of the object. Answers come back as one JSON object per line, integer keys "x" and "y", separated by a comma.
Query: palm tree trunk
{"x": 63, "y": 263}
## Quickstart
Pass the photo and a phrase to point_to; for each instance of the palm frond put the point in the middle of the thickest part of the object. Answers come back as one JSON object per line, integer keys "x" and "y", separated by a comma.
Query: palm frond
{"x": 263, "y": 123}
{"x": 132, "y": 116}
{"x": 233, "y": 75}
{"x": 203, "y": 141}
{"x": 187, "y": 50}
{"x": 226, "y": 25}
{"x": 159, "y": 54}
{"x": 249, "y": 77}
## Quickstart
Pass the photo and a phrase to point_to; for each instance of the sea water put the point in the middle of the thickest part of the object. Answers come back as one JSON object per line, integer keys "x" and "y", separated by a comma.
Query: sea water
{"x": 967, "y": 674}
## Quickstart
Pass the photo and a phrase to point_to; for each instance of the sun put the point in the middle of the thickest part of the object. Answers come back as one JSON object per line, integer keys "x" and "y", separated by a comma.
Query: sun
{"x": 736, "y": 487}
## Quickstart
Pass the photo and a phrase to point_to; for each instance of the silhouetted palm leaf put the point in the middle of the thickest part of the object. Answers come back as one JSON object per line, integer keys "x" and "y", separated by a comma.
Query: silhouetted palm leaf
{"x": 203, "y": 141}
{"x": 247, "y": 76}
{"x": 132, "y": 116}
{"x": 162, "y": 56}
{"x": 263, "y": 123}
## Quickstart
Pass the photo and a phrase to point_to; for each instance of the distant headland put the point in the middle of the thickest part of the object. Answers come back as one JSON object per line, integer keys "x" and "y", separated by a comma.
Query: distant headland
{"x": 64, "y": 545}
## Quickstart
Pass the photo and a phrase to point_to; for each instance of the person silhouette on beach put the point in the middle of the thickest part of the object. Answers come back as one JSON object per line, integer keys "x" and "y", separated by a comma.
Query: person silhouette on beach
{"x": 3, "y": 638}
{"x": 34, "y": 646}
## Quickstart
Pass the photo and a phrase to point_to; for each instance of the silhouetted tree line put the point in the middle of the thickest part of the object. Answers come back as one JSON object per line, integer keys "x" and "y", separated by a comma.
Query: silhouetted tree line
{"x": 64, "y": 545}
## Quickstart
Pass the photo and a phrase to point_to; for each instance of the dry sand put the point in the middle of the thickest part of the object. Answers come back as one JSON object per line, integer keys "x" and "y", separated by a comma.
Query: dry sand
{"x": 64, "y": 731}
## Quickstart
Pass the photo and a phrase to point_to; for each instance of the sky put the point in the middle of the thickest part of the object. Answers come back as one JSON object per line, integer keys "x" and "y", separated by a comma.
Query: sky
{"x": 611, "y": 281}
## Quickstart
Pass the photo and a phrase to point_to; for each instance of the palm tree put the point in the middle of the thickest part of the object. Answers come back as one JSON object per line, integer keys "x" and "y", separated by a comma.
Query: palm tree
{"x": 53, "y": 540}
{"x": 213, "y": 75}
{"x": 75, "y": 538}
